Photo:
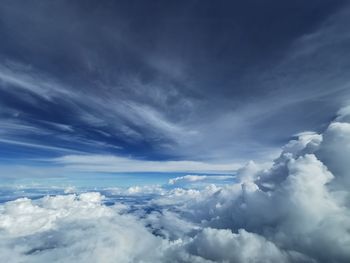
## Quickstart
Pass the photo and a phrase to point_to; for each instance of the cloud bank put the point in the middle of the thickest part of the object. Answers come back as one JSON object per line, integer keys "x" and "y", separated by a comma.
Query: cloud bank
{"x": 297, "y": 210}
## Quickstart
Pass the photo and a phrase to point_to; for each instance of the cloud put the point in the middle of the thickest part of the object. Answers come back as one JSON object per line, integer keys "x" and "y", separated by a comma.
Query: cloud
{"x": 197, "y": 178}
{"x": 294, "y": 203}
{"x": 165, "y": 100}
{"x": 39, "y": 146}
{"x": 295, "y": 210}
{"x": 335, "y": 151}
{"x": 110, "y": 163}
{"x": 78, "y": 226}
{"x": 127, "y": 106}
{"x": 300, "y": 203}
{"x": 221, "y": 245}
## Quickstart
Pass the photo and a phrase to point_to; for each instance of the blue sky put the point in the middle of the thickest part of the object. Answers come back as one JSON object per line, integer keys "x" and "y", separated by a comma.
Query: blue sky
{"x": 182, "y": 86}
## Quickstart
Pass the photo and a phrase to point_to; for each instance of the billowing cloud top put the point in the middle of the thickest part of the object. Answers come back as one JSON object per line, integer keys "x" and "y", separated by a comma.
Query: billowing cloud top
{"x": 297, "y": 210}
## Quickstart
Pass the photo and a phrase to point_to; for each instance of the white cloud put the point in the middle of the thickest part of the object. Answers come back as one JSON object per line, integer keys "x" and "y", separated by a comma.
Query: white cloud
{"x": 23, "y": 77}
{"x": 297, "y": 210}
{"x": 110, "y": 163}
{"x": 38, "y": 146}
{"x": 335, "y": 151}
{"x": 221, "y": 245}
{"x": 197, "y": 178}
{"x": 73, "y": 229}
{"x": 297, "y": 204}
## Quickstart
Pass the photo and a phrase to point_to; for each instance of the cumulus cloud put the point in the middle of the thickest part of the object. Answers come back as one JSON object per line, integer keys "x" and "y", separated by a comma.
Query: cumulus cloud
{"x": 296, "y": 210}
{"x": 73, "y": 229}
{"x": 221, "y": 245}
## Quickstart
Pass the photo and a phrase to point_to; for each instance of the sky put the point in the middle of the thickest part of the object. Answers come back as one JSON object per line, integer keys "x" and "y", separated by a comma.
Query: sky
{"x": 175, "y": 131}
{"x": 165, "y": 86}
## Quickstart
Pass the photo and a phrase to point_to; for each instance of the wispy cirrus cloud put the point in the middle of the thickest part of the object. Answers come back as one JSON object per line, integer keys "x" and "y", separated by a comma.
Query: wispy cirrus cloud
{"x": 198, "y": 178}
{"x": 173, "y": 100}
{"x": 110, "y": 163}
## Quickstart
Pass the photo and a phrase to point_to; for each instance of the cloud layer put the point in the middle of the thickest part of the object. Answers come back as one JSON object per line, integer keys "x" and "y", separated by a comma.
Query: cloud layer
{"x": 297, "y": 210}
